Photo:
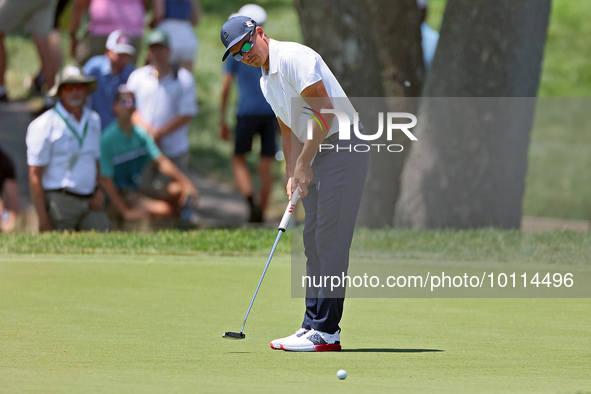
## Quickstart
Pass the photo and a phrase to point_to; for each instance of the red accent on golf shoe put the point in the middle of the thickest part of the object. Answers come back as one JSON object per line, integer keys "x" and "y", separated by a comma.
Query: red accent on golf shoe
{"x": 329, "y": 347}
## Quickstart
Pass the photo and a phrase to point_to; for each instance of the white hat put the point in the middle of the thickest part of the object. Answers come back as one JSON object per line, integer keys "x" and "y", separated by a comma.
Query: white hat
{"x": 255, "y": 12}
{"x": 71, "y": 74}
{"x": 118, "y": 42}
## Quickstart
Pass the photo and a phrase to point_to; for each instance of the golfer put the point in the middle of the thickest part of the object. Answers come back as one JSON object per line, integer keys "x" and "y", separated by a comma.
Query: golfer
{"x": 330, "y": 187}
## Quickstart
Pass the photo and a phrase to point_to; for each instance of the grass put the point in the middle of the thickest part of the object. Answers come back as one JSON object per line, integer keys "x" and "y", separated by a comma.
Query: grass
{"x": 474, "y": 245}
{"x": 123, "y": 321}
{"x": 558, "y": 181}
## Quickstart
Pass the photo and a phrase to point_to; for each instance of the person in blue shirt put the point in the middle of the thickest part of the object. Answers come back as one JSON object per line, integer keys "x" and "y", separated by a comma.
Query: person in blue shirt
{"x": 110, "y": 70}
{"x": 125, "y": 151}
{"x": 253, "y": 116}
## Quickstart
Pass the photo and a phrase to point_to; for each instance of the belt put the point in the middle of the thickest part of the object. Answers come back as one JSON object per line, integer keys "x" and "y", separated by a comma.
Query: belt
{"x": 69, "y": 193}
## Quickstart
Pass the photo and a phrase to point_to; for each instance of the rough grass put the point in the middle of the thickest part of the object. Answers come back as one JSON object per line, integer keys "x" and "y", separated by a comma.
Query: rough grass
{"x": 482, "y": 245}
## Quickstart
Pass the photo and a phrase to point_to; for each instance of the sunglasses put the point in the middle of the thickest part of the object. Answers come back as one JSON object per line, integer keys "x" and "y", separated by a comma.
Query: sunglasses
{"x": 127, "y": 103}
{"x": 68, "y": 87}
{"x": 245, "y": 48}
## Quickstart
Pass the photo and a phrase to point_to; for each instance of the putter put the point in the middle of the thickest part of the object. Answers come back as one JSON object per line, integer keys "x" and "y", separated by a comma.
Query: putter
{"x": 282, "y": 227}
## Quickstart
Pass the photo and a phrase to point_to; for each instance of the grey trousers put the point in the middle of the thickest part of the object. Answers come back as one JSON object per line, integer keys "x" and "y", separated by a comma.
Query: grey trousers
{"x": 67, "y": 212}
{"x": 331, "y": 206}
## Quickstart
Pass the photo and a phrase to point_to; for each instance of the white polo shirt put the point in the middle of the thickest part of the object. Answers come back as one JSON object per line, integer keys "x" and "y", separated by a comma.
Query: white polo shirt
{"x": 292, "y": 68}
{"x": 160, "y": 100}
{"x": 69, "y": 159}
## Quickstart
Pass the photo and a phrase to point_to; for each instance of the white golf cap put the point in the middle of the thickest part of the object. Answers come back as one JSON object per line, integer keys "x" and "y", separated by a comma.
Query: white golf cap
{"x": 255, "y": 12}
{"x": 118, "y": 42}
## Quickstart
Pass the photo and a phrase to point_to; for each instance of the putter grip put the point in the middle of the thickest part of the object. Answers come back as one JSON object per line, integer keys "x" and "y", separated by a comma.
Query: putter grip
{"x": 290, "y": 207}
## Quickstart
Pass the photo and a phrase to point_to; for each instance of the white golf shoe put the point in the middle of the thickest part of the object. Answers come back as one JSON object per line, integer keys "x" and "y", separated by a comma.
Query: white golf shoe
{"x": 313, "y": 341}
{"x": 276, "y": 344}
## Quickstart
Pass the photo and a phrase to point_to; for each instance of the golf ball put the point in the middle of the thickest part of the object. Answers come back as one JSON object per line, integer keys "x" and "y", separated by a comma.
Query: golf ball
{"x": 341, "y": 374}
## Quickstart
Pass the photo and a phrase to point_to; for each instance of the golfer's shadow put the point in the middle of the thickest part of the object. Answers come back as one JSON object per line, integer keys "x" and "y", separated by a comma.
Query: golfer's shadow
{"x": 378, "y": 350}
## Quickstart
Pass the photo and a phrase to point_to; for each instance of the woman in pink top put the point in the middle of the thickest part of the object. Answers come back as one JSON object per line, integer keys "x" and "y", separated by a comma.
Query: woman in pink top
{"x": 105, "y": 16}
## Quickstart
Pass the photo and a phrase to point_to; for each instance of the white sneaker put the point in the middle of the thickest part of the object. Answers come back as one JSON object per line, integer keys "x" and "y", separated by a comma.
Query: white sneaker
{"x": 313, "y": 341}
{"x": 276, "y": 344}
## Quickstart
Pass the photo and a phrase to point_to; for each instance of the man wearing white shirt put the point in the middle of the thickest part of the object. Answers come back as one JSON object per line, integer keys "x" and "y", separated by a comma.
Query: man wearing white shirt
{"x": 63, "y": 152}
{"x": 330, "y": 182}
{"x": 166, "y": 101}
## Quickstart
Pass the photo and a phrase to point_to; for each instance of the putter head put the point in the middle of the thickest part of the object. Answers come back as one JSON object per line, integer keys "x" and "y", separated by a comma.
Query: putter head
{"x": 233, "y": 335}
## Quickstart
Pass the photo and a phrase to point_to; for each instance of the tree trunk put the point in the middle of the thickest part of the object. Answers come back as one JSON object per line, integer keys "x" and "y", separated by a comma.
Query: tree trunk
{"x": 374, "y": 49}
{"x": 468, "y": 167}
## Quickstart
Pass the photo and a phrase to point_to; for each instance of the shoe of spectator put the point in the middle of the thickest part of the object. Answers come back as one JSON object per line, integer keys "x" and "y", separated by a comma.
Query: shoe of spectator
{"x": 188, "y": 214}
{"x": 256, "y": 214}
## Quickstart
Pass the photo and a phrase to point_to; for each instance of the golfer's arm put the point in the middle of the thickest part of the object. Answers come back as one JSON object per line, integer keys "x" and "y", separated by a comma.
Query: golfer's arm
{"x": 292, "y": 147}
{"x": 316, "y": 96}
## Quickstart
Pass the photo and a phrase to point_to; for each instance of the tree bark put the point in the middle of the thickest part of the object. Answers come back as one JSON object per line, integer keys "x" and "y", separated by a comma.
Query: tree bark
{"x": 468, "y": 168}
{"x": 373, "y": 47}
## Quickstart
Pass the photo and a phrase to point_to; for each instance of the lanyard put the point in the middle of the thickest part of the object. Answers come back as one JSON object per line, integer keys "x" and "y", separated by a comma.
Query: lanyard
{"x": 73, "y": 130}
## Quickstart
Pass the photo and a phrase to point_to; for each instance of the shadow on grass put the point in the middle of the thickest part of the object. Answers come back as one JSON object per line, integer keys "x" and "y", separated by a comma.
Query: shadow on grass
{"x": 377, "y": 350}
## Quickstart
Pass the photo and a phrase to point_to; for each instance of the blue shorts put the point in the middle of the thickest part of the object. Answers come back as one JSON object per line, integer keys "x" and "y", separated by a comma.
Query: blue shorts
{"x": 248, "y": 126}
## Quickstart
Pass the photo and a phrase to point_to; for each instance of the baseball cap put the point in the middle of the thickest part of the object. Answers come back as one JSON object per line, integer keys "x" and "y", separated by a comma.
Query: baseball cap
{"x": 234, "y": 30}
{"x": 118, "y": 42}
{"x": 254, "y": 11}
{"x": 157, "y": 36}
{"x": 71, "y": 74}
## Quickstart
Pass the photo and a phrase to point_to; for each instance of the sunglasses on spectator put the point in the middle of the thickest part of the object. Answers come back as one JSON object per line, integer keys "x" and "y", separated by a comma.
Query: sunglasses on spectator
{"x": 68, "y": 87}
{"x": 127, "y": 103}
{"x": 245, "y": 48}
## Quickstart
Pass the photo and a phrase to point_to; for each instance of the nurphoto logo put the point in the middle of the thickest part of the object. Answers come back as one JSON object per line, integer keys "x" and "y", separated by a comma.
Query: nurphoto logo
{"x": 345, "y": 130}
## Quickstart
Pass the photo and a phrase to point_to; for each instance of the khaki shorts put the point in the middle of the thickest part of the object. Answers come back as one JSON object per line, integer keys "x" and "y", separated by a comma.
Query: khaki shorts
{"x": 153, "y": 183}
{"x": 35, "y": 15}
{"x": 68, "y": 212}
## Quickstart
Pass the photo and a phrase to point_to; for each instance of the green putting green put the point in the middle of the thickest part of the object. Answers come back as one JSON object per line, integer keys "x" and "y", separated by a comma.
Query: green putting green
{"x": 121, "y": 323}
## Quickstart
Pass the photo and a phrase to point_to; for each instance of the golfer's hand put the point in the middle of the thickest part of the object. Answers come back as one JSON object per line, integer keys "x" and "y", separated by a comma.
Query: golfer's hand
{"x": 302, "y": 177}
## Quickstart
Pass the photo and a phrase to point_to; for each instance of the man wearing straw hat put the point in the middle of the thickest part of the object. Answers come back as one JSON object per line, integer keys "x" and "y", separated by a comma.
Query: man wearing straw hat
{"x": 63, "y": 151}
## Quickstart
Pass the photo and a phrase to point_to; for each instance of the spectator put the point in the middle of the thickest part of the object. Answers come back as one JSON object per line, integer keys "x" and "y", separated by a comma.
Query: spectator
{"x": 36, "y": 16}
{"x": 110, "y": 71}
{"x": 125, "y": 149}
{"x": 63, "y": 151}
{"x": 9, "y": 204}
{"x": 254, "y": 116}
{"x": 178, "y": 18}
{"x": 166, "y": 102}
{"x": 105, "y": 16}
{"x": 55, "y": 43}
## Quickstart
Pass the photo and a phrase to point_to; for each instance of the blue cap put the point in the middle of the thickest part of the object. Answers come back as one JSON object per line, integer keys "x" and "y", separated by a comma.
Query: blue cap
{"x": 234, "y": 30}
